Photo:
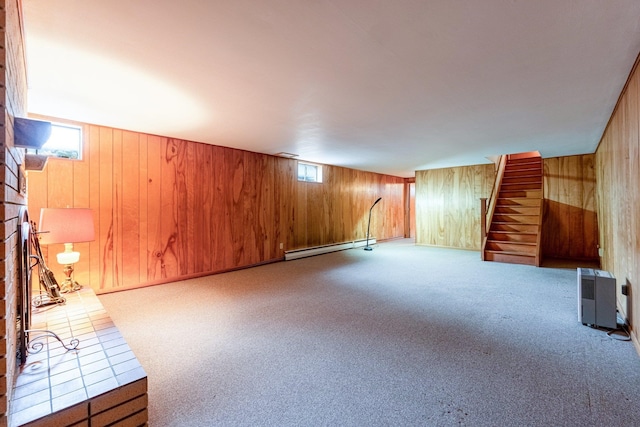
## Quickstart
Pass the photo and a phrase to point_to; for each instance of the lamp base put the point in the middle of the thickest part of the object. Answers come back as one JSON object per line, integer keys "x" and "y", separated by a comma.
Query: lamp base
{"x": 368, "y": 248}
{"x": 68, "y": 284}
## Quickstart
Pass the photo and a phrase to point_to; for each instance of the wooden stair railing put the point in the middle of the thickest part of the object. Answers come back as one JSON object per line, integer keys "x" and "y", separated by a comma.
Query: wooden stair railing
{"x": 488, "y": 209}
{"x": 514, "y": 230}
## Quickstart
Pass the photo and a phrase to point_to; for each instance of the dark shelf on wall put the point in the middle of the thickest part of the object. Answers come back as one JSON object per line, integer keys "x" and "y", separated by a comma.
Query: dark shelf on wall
{"x": 31, "y": 134}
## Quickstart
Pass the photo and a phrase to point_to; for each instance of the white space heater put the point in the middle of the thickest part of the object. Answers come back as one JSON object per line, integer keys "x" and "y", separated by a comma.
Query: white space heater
{"x": 597, "y": 298}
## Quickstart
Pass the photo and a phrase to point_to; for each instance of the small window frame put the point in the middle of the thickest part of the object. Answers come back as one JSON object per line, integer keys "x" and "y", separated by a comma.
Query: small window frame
{"x": 59, "y": 152}
{"x": 312, "y": 172}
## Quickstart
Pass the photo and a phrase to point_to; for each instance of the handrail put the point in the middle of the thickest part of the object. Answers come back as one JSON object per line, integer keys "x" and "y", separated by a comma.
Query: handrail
{"x": 488, "y": 209}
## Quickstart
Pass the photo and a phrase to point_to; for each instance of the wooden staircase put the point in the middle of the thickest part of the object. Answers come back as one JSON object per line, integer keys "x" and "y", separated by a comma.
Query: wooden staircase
{"x": 514, "y": 233}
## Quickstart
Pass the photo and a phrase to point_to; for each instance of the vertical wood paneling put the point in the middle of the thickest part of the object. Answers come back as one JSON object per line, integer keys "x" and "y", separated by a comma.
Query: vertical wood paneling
{"x": 448, "y": 206}
{"x": 570, "y": 228}
{"x": 117, "y": 236}
{"x": 221, "y": 253}
{"x": 251, "y": 181}
{"x": 285, "y": 200}
{"x": 143, "y": 212}
{"x": 154, "y": 209}
{"x": 81, "y": 198}
{"x": 107, "y": 205}
{"x": 169, "y": 241}
{"x": 632, "y": 251}
{"x": 617, "y": 193}
{"x": 92, "y": 140}
{"x": 168, "y": 208}
{"x": 337, "y": 210}
{"x": 130, "y": 211}
{"x": 60, "y": 185}
{"x": 235, "y": 206}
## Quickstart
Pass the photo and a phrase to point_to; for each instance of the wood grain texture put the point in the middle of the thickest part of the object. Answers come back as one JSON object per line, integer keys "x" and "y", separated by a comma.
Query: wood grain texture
{"x": 337, "y": 210}
{"x": 618, "y": 199}
{"x": 448, "y": 207}
{"x": 167, "y": 209}
{"x": 570, "y": 228}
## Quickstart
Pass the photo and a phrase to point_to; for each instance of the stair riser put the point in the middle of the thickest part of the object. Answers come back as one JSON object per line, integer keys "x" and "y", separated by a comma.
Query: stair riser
{"x": 517, "y": 179}
{"x": 523, "y": 169}
{"x": 534, "y": 194}
{"x": 525, "y": 249}
{"x": 520, "y": 186}
{"x": 513, "y": 237}
{"x": 519, "y": 219}
{"x": 524, "y": 161}
{"x": 513, "y": 227}
{"x": 524, "y": 155}
{"x": 523, "y": 164}
{"x": 511, "y": 259}
{"x": 522, "y": 210}
{"x": 518, "y": 202}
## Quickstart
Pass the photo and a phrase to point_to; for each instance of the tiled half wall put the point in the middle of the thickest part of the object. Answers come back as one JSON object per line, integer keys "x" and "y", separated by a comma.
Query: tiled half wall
{"x": 98, "y": 384}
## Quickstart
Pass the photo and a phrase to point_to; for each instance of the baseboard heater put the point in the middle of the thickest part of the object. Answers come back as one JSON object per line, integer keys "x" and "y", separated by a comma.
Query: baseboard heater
{"x": 317, "y": 250}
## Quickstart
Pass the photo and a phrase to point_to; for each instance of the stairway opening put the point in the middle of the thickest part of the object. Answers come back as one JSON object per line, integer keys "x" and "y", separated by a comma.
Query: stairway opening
{"x": 514, "y": 232}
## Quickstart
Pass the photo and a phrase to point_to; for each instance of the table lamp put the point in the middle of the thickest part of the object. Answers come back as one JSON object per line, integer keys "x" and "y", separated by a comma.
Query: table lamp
{"x": 68, "y": 226}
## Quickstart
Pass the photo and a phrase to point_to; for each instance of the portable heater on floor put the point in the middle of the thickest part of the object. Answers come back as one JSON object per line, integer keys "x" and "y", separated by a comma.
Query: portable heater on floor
{"x": 597, "y": 298}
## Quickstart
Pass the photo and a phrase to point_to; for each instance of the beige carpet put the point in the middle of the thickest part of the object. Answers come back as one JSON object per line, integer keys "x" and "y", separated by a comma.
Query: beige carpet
{"x": 402, "y": 335}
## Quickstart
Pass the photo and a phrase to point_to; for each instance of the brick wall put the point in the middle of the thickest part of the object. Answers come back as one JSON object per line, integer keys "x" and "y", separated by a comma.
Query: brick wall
{"x": 13, "y": 99}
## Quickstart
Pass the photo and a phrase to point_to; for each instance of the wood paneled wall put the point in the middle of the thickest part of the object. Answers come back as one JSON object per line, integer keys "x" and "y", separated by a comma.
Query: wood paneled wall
{"x": 13, "y": 91}
{"x": 338, "y": 209}
{"x": 448, "y": 205}
{"x": 618, "y": 198}
{"x": 570, "y": 228}
{"x": 167, "y": 209}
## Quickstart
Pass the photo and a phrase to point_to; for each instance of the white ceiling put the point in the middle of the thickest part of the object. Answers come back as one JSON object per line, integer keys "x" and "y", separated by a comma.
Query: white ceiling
{"x": 389, "y": 86}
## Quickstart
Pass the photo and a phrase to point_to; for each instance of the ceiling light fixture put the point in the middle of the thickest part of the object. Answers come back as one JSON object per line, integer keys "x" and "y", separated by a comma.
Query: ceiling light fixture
{"x": 287, "y": 155}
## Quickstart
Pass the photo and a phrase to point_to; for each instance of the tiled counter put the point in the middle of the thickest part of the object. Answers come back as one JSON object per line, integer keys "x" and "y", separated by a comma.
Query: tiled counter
{"x": 98, "y": 384}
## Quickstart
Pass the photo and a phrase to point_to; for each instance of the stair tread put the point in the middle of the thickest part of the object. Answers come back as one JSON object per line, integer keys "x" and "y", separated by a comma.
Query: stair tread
{"x": 515, "y": 199}
{"x": 513, "y": 232}
{"x": 498, "y": 251}
{"x": 522, "y": 184}
{"x": 514, "y": 213}
{"x": 511, "y": 242}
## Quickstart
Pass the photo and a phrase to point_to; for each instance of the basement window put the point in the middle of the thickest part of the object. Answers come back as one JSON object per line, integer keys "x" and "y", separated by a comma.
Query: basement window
{"x": 309, "y": 173}
{"x": 65, "y": 142}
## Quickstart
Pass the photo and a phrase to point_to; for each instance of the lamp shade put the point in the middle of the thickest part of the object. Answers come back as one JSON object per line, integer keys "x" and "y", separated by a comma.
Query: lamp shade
{"x": 66, "y": 225}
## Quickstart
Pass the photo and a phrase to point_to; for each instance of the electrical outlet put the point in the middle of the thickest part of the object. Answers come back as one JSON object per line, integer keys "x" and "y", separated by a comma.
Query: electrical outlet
{"x": 600, "y": 252}
{"x": 281, "y": 246}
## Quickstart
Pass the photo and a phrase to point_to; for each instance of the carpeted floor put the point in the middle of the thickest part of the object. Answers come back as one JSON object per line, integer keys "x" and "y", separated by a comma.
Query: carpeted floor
{"x": 403, "y": 335}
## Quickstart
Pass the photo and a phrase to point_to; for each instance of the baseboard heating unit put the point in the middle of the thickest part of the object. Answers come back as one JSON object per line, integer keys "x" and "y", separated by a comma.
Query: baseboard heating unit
{"x": 318, "y": 250}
